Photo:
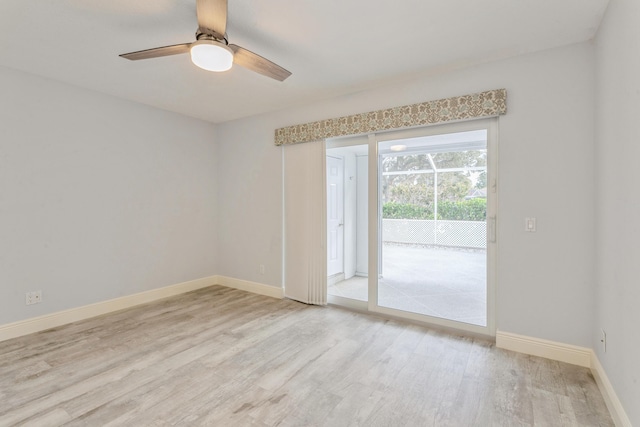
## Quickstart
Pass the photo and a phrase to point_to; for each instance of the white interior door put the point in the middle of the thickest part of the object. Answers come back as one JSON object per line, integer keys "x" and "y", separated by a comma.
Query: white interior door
{"x": 335, "y": 215}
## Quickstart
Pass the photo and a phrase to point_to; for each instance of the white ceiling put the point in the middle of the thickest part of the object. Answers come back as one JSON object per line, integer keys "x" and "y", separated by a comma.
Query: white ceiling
{"x": 333, "y": 47}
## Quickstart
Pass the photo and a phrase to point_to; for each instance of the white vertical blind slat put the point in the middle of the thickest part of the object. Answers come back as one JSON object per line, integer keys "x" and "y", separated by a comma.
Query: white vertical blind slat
{"x": 305, "y": 265}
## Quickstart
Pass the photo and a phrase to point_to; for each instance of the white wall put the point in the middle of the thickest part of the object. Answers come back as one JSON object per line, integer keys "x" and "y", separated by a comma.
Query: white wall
{"x": 545, "y": 280}
{"x": 250, "y": 202}
{"x": 99, "y": 197}
{"x": 617, "y": 203}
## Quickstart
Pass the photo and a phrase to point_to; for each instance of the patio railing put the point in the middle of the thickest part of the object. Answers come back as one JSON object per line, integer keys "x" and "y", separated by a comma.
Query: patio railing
{"x": 466, "y": 234}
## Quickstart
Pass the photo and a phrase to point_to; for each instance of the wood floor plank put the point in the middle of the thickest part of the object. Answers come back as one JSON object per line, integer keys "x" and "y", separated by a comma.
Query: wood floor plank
{"x": 356, "y": 407}
{"x": 219, "y": 356}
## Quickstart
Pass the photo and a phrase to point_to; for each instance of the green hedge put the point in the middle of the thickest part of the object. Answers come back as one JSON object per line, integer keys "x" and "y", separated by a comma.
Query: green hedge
{"x": 406, "y": 211}
{"x": 463, "y": 210}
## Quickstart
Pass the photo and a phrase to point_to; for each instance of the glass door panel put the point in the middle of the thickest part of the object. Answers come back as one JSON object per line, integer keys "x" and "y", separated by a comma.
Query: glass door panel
{"x": 433, "y": 226}
{"x": 347, "y": 223}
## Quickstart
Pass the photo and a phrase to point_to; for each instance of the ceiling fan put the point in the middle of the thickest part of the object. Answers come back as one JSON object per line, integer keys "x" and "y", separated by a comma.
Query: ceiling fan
{"x": 211, "y": 50}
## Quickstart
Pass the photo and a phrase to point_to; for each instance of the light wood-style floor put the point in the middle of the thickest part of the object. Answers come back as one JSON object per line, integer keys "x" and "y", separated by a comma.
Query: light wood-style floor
{"x": 223, "y": 357}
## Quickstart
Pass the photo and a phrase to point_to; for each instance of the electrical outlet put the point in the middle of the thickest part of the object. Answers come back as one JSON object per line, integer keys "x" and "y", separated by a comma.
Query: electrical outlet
{"x": 603, "y": 340}
{"x": 261, "y": 268}
{"x": 34, "y": 297}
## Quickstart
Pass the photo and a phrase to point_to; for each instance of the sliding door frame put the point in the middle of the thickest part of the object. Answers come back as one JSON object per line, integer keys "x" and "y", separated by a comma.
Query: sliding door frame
{"x": 375, "y": 221}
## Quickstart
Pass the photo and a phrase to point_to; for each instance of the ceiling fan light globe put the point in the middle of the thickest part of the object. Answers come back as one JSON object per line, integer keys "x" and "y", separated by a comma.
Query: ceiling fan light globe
{"x": 211, "y": 55}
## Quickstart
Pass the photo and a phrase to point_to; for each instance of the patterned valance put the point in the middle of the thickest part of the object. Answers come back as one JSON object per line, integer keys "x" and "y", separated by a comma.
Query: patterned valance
{"x": 478, "y": 105}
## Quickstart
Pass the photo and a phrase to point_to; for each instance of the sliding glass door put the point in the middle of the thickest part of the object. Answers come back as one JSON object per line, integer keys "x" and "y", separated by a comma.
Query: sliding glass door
{"x": 433, "y": 234}
{"x": 419, "y": 224}
{"x": 347, "y": 214}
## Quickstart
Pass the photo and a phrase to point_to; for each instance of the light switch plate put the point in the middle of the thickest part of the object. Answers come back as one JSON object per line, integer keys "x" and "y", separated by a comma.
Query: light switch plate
{"x": 530, "y": 225}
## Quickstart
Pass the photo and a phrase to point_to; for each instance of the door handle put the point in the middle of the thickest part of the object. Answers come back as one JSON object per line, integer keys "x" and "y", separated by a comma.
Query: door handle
{"x": 340, "y": 225}
{"x": 492, "y": 229}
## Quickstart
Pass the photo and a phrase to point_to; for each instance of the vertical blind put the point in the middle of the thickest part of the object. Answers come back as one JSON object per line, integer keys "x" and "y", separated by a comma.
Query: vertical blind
{"x": 305, "y": 258}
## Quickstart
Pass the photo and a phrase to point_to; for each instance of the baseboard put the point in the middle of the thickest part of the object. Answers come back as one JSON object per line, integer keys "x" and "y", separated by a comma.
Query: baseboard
{"x": 614, "y": 405}
{"x": 575, "y": 355}
{"x": 254, "y": 287}
{"x": 48, "y": 321}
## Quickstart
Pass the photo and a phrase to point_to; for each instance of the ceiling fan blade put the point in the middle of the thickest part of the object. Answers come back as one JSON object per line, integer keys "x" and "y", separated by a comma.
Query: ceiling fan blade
{"x": 157, "y": 52}
{"x": 212, "y": 17}
{"x": 257, "y": 63}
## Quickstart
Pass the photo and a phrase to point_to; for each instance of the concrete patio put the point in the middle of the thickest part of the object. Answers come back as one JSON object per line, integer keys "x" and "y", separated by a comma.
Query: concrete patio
{"x": 442, "y": 282}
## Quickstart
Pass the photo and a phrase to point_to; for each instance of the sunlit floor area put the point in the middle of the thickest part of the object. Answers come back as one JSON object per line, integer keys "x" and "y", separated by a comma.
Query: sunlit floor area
{"x": 448, "y": 283}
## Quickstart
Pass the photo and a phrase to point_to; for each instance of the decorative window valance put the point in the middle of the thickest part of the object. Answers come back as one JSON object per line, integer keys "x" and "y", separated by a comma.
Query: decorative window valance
{"x": 478, "y": 105}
